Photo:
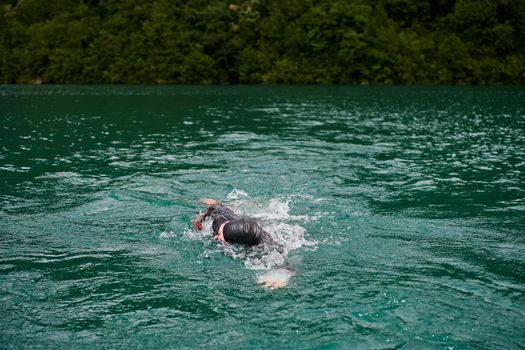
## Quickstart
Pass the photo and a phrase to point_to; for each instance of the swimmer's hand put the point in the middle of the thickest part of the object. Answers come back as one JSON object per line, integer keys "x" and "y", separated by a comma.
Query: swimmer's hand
{"x": 209, "y": 202}
{"x": 196, "y": 224}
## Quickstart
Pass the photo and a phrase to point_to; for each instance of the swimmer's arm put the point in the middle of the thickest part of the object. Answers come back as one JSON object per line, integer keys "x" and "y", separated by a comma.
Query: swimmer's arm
{"x": 206, "y": 213}
{"x": 210, "y": 203}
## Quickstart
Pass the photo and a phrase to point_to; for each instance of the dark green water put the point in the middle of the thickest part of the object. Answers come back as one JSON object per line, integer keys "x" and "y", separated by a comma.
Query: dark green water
{"x": 401, "y": 208}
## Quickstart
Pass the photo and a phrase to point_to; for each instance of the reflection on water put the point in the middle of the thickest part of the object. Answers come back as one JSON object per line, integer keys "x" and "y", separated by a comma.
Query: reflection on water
{"x": 404, "y": 206}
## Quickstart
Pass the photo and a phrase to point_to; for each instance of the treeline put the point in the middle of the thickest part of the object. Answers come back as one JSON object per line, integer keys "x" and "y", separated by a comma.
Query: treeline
{"x": 263, "y": 41}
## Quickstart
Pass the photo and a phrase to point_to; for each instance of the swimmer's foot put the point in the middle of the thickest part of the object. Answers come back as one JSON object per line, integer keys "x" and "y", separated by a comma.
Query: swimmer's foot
{"x": 275, "y": 278}
{"x": 273, "y": 284}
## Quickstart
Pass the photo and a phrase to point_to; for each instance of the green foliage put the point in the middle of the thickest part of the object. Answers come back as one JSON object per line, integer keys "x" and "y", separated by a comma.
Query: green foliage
{"x": 263, "y": 41}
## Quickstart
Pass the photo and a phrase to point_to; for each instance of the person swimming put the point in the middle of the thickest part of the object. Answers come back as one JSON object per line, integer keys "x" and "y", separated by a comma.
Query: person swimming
{"x": 230, "y": 227}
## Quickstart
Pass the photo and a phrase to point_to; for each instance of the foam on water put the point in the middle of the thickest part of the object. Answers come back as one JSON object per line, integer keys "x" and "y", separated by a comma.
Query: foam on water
{"x": 236, "y": 194}
{"x": 167, "y": 234}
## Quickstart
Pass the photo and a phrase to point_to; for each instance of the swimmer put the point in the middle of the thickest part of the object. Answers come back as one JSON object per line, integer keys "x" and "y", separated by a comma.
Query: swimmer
{"x": 230, "y": 227}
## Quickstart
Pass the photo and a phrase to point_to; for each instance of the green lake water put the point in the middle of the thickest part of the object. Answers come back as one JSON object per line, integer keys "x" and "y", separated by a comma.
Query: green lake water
{"x": 401, "y": 209}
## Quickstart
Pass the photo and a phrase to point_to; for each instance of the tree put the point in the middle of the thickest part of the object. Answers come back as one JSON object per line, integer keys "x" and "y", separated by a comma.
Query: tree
{"x": 263, "y": 41}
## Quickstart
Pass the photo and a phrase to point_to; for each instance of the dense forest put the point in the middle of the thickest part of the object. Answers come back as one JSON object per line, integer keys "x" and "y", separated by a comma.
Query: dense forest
{"x": 263, "y": 41}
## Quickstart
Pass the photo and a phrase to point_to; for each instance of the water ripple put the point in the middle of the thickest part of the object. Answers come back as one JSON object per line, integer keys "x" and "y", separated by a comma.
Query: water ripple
{"x": 402, "y": 207}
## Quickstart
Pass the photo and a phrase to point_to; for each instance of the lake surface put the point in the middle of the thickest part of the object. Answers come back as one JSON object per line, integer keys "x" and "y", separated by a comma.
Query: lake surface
{"x": 401, "y": 209}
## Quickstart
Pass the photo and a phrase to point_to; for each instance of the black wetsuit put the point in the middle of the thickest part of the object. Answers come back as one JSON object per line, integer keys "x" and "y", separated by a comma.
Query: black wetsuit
{"x": 237, "y": 229}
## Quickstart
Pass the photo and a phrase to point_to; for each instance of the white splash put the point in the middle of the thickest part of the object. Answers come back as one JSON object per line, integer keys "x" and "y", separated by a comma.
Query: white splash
{"x": 236, "y": 194}
{"x": 276, "y": 209}
{"x": 167, "y": 234}
{"x": 274, "y": 217}
{"x": 203, "y": 235}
